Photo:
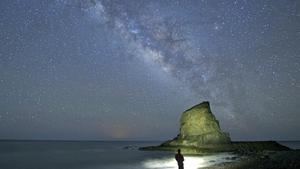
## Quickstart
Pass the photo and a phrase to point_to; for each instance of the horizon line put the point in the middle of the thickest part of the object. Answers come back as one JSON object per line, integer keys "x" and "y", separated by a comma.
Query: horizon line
{"x": 119, "y": 140}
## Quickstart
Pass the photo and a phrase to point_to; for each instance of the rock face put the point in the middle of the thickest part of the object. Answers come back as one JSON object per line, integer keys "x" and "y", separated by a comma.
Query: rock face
{"x": 200, "y": 133}
{"x": 199, "y": 127}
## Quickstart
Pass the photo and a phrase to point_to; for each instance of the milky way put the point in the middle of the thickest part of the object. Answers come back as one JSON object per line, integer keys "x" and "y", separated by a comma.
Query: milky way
{"x": 124, "y": 69}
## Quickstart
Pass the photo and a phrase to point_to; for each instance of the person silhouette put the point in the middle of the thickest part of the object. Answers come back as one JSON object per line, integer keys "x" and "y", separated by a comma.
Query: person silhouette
{"x": 179, "y": 158}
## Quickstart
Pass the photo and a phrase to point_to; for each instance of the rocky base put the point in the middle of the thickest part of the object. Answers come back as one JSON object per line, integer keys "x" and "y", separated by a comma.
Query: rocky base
{"x": 199, "y": 140}
{"x": 264, "y": 160}
{"x": 243, "y": 148}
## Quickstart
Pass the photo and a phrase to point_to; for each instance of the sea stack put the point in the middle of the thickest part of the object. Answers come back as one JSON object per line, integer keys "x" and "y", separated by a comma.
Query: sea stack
{"x": 200, "y": 133}
{"x": 199, "y": 127}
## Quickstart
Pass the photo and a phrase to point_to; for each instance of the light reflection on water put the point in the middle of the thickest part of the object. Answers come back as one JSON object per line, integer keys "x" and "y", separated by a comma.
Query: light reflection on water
{"x": 95, "y": 155}
{"x": 190, "y": 162}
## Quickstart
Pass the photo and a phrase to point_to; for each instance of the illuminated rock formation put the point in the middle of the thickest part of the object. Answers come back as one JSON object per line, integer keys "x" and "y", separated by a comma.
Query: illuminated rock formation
{"x": 200, "y": 133}
{"x": 198, "y": 127}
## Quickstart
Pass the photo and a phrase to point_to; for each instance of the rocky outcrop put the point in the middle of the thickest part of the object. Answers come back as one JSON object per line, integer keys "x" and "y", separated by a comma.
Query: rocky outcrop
{"x": 199, "y": 127}
{"x": 200, "y": 133}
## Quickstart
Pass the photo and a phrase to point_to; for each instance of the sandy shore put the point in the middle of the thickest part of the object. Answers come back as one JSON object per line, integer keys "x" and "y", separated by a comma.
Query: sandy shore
{"x": 264, "y": 160}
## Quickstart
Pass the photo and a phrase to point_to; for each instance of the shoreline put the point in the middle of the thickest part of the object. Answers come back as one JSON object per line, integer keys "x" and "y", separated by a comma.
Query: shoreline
{"x": 250, "y": 155}
{"x": 241, "y": 147}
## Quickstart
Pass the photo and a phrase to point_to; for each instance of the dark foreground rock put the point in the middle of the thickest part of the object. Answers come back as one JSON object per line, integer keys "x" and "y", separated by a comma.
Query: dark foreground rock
{"x": 264, "y": 160}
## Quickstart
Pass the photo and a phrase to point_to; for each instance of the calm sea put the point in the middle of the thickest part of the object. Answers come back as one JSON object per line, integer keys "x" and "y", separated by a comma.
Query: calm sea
{"x": 291, "y": 144}
{"x": 96, "y": 155}
{"x": 93, "y": 155}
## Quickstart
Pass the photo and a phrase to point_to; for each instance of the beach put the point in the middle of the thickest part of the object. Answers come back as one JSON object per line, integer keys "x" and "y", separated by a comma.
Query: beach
{"x": 126, "y": 155}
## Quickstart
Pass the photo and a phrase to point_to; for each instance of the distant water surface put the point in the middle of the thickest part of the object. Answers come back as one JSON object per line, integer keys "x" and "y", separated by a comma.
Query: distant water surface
{"x": 291, "y": 144}
{"x": 94, "y": 155}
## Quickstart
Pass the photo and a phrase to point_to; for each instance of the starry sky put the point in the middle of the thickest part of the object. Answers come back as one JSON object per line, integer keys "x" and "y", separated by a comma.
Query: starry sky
{"x": 126, "y": 70}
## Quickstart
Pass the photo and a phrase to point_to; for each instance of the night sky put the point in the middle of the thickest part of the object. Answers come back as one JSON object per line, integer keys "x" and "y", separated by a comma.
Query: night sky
{"x": 126, "y": 70}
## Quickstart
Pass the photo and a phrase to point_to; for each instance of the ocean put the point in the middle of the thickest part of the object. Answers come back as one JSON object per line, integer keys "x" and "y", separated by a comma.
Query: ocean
{"x": 97, "y": 155}
{"x": 291, "y": 144}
